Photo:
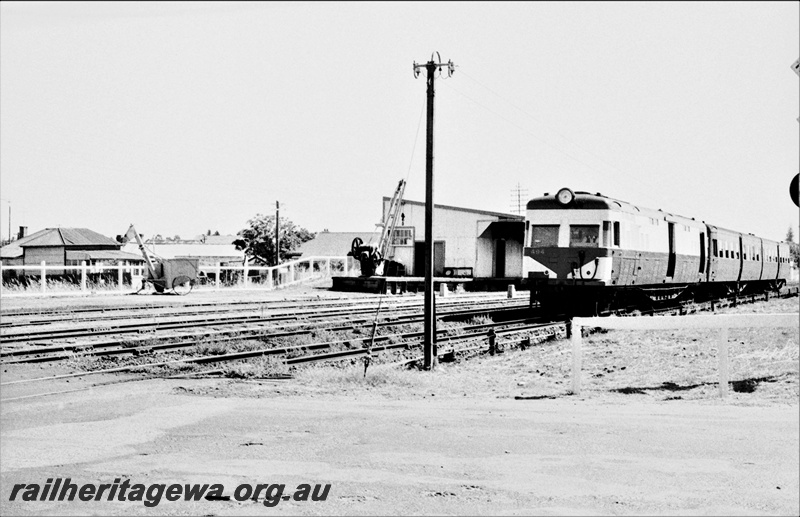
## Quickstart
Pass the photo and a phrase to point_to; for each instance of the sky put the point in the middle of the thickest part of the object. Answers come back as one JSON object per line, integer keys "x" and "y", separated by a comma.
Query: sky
{"x": 183, "y": 117}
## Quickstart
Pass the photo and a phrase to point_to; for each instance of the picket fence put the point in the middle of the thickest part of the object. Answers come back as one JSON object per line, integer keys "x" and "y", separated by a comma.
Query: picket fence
{"x": 244, "y": 276}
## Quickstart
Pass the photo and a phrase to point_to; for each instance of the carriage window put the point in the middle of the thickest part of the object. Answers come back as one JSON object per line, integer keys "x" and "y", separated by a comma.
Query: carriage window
{"x": 607, "y": 234}
{"x": 584, "y": 236}
{"x": 544, "y": 236}
{"x": 715, "y": 250}
{"x": 616, "y": 233}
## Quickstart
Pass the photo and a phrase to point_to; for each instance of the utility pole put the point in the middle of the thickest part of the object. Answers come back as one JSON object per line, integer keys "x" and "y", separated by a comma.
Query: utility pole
{"x": 429, "y": 343}
{"x": 277, "y": 232}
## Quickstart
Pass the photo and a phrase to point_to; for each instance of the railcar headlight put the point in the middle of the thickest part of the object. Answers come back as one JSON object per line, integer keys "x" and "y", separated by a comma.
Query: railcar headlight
{"x": 565, "y": 196}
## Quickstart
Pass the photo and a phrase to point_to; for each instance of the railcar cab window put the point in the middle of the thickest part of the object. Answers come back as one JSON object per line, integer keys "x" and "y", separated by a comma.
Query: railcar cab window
{"x": 584, "y": 236}
{"x": 544, "y": 236}
{"x": 610, "y": 234}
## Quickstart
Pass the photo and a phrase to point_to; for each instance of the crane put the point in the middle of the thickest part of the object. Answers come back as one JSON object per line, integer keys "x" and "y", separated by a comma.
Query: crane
{"x": 372, "y": 256}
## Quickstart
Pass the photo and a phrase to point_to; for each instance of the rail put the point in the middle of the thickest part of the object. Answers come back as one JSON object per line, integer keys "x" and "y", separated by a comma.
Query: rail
{"x": 128, "y": 277}
{"x": 722, "y": 322}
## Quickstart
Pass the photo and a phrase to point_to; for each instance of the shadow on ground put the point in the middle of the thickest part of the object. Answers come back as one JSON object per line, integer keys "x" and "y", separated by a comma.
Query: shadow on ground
{"x": 741, "y": 386}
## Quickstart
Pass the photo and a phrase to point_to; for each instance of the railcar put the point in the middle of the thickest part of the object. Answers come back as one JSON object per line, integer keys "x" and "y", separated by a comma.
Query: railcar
{"x": 588, "y": 253}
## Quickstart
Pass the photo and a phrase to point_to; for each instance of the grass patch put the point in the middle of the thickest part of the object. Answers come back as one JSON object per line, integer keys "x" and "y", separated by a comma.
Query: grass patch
{"x": 261, "y": 367}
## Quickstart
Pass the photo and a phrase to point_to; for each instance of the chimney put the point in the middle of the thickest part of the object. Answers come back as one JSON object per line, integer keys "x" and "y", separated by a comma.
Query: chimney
{"x": 23, "y": 232}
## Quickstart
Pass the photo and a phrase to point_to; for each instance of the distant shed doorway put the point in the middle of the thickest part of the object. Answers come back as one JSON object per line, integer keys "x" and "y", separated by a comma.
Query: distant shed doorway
{"x": 438, "y": 258}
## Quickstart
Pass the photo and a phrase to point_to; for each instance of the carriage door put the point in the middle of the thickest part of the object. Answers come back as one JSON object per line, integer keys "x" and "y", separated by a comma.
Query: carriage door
{"x": 702, "y": 252}
{"x": 741, "y": 260}
{"x": 671, "y": 260}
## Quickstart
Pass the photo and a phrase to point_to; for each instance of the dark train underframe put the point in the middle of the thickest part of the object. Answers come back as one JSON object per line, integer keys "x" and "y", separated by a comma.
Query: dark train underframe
{"x": 587, "y": 298}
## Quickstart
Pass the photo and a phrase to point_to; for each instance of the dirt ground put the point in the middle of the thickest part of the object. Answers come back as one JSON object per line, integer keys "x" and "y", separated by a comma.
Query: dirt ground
{"x": 489, "y": 435}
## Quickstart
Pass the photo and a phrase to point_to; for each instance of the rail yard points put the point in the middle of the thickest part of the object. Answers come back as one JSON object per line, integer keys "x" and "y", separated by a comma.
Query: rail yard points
{"x": 118, "y": 386}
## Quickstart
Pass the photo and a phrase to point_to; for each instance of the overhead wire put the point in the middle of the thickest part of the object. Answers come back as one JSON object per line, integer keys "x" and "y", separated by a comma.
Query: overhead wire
{"x": 368, "y": 356}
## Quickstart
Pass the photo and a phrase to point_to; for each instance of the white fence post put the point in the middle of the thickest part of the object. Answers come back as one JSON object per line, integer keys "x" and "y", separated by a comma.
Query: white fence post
{"x": 83, "y": 275}
{"x": 291, "y": 273}
{"x": 328, "y": 266}
{"x": 270, "y": 282}
{"x": 120, "y": 274}
{"x": 44, "y": 277}
{"x": 245, "y": 273}
{"x": 722, "y": 352}
{"x": 577, "y": 342}
{"x": 218, "y": 271}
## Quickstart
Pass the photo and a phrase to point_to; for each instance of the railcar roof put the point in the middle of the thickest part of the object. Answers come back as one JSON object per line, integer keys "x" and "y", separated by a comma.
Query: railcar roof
{"x": 589, "y": 201}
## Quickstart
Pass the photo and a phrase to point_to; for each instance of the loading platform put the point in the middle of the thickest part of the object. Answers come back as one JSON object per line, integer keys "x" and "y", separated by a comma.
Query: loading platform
{"x": 416, "y": 284}
{"x": 394, "y": 284}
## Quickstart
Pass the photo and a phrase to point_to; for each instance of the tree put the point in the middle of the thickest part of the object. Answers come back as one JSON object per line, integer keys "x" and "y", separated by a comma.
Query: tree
{"x": 258, "y": 239}
{"x": 794, "y": 249}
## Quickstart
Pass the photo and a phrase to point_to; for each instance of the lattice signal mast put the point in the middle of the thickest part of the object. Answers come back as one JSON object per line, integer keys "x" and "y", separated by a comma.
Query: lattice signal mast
{"x": 519, "y": 197}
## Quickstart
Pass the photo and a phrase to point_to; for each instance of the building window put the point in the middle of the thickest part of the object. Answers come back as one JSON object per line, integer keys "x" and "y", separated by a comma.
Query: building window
{"x": 544, "y": 236}
{"x": 403, "y": 237}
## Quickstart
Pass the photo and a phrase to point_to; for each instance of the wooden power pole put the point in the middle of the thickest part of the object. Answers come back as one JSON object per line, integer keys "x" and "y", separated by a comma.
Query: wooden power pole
{"x": 277, "y": 232}
{"x": 429, "y": 343}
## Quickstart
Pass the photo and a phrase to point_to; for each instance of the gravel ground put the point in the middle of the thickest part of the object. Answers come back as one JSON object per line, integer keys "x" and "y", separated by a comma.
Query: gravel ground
{"x": 490, "y": 435}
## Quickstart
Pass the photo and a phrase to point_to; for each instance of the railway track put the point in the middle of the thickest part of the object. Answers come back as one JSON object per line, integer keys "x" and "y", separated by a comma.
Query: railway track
{"x": 452, "y": 342}
{"x": 18, "y": 317}
{"x": 282, "y": 314}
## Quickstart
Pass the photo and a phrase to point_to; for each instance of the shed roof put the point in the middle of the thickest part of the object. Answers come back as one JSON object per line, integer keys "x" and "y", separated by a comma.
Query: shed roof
{"x": 333, "y": 244}
{"x": 499, "y": 215}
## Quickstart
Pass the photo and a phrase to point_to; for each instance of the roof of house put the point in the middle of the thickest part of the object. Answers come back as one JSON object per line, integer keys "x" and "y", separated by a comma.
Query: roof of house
{"x": 13, "y": 249}
{"x": 219, "y": 239}
{"x": 68, "y": 237}
{"x": 333, "y": 244}
{"x": 170, "y": 250}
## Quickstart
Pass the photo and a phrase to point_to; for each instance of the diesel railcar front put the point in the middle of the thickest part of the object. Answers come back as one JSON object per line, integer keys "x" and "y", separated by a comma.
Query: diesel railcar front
{"x": 588, "y": 253}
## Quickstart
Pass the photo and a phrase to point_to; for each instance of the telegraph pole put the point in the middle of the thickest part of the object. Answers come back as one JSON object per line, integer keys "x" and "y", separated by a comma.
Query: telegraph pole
{"x": 277, "y": 232}
{"x": 429, "y": 343}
